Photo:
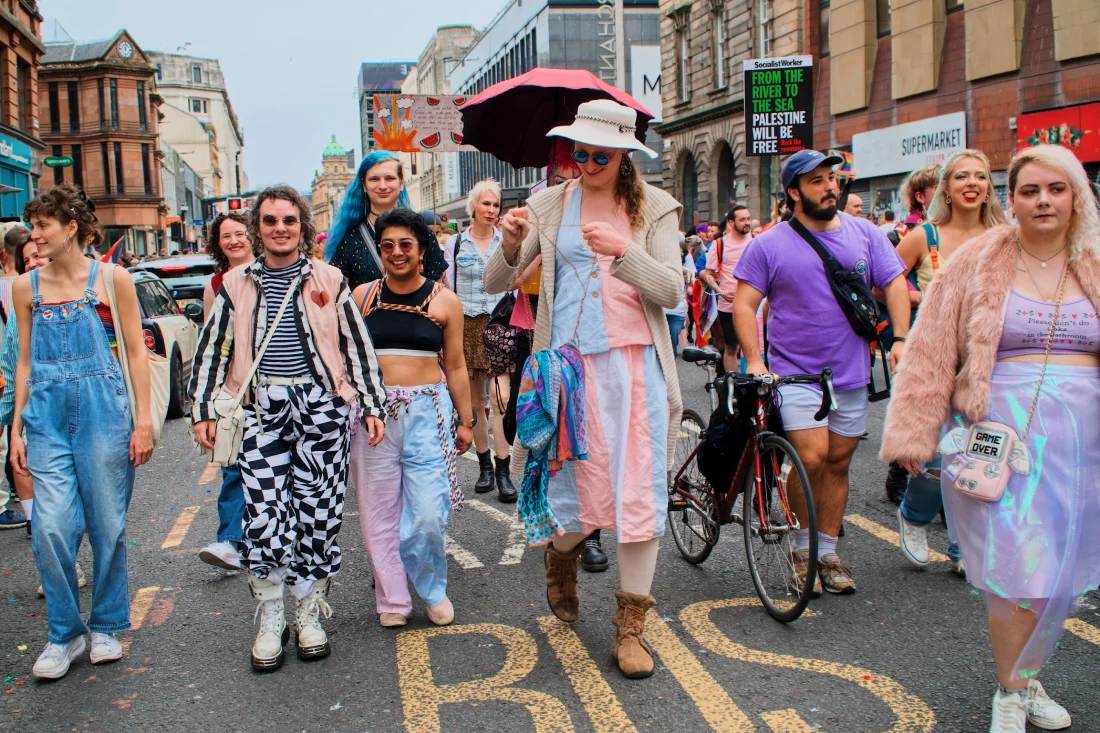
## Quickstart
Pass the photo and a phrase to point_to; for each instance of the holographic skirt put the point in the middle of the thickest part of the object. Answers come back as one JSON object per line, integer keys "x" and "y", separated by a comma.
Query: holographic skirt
{"x": 1038, "y": 548}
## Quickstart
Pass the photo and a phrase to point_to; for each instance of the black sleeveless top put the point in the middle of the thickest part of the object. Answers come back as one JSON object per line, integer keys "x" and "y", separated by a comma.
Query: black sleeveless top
{"x": 400, "y": 323}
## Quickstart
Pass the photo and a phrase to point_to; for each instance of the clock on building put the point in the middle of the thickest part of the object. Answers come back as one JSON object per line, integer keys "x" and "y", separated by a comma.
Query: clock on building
{"x": 125, "y": 50}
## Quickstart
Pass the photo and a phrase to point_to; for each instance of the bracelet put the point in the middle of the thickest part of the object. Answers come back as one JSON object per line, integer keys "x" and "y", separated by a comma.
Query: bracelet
{"x": 900, "y": 338}
{"x": 469, "y": 423}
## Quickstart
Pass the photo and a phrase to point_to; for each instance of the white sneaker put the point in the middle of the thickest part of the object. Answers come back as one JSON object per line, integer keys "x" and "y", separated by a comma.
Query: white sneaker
{"x": 914, "y": 542}
{"x": 392, "y": 620}
{"x": 1042, "y": 712}
{"x": 105, "y": 648}
{"x": 53, "y": 662}
{"x": 222, "y": 555}
{"x": 81, "y": 582}
{"x": 312, "y": 641}
{"x": 1009, "y": 712}
{"x": 267, "y": 650}
{"x": 958, "y": 567}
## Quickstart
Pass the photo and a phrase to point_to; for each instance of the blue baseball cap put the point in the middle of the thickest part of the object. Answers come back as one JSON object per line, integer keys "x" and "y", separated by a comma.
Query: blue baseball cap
{"x": 805, "y": 161}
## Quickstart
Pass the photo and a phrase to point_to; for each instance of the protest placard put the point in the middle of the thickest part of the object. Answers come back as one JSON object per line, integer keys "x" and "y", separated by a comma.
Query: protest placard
{"x": 779, "y": 105}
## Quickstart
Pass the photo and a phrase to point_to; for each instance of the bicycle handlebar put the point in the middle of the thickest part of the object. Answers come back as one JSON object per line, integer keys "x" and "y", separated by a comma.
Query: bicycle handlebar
{"x": 825, "y": 380}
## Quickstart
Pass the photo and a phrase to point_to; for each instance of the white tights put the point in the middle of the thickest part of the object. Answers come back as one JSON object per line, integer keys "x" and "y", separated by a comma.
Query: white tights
{"x": 637, "y": 561}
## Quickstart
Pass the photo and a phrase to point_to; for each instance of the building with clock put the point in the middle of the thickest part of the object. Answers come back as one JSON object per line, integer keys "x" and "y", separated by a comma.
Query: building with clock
{"x": 99, "y": 111}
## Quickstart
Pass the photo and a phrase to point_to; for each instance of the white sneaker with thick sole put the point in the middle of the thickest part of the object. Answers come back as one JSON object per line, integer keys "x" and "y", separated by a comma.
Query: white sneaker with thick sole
{"x": 1042, "y": 712}
{"x": 914, "y": 542}
{"x": 105, "y": 648}
{"x": 222, "y": 555}
{"x": 1009, "y": 712}
{"x": 53, "y": 663}
{"x": 312, "y": 641}
{"x": 267, "y": 650}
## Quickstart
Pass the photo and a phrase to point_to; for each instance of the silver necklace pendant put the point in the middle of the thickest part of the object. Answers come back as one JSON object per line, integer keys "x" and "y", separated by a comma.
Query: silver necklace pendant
{"x": 1043, "y": 265}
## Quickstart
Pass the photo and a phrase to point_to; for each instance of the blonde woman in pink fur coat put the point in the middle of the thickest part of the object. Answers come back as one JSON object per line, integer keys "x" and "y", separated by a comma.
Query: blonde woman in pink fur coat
{"x": 977, "y": 353}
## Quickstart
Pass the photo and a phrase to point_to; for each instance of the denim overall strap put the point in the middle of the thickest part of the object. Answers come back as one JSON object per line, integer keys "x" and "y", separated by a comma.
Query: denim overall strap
{"x": 36, "y": 299}
{"x": 89, "y": 291}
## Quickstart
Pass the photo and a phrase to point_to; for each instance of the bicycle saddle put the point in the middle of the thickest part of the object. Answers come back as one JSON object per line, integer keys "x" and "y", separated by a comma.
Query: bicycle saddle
{"x": 696, "y": 356}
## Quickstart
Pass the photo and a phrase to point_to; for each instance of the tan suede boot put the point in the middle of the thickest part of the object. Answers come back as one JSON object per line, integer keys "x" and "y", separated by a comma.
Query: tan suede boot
{"x": 561, "y": 582}
{"x": 631, "y": 651}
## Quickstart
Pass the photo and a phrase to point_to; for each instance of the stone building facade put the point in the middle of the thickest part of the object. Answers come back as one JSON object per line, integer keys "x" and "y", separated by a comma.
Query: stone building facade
{"x": 329, "y": 184}
{"x": 99, "y": 105}
{"x": 21, "y": 147}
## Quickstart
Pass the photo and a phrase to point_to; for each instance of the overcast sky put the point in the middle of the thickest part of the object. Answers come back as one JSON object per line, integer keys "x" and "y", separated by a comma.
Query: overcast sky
{"x": 290, "y": 67}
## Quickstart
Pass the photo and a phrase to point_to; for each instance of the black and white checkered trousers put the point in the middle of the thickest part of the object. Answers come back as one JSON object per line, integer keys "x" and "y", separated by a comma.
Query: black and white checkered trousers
{"x": 295, "y": 473}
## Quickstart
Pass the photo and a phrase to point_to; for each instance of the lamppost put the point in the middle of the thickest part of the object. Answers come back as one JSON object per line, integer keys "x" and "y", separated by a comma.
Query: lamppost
{"x": 237, "y": 170}
{"x": 183, "y": 223}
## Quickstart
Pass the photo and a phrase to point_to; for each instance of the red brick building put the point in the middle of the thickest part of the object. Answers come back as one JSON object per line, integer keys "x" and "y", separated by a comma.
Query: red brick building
{"x": 997, "y": 62}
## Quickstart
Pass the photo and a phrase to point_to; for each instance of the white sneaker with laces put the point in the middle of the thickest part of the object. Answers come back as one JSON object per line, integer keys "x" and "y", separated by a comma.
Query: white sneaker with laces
{"x": 1009, "y": 712}
{"x": 53, "y": 663}
{"x": 222, "y": 555}
{"x": 914, "y": 542}
{"x": 1042, "y": 712}
{"x": 105, "y": 648}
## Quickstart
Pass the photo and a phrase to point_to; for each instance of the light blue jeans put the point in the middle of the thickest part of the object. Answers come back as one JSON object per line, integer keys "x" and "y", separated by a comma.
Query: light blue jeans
{"x": 231, "y": 506}
{"x": 675, "y": 326}
{"x": 78, "y": 427}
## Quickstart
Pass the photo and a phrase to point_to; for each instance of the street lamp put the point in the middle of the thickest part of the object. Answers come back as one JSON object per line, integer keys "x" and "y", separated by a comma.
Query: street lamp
{"x": 237, "y": 170}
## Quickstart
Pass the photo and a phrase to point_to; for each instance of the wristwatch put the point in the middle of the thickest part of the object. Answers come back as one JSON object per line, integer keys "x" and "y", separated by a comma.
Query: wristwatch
{"x": 469, "y": 424}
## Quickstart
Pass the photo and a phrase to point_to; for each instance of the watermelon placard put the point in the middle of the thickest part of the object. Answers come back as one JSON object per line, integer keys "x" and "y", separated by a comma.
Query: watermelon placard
{"x": 421, "y": 122}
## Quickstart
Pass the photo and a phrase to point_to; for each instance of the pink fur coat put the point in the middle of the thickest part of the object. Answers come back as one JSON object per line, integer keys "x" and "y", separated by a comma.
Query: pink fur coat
{"x": 952, "y": 348}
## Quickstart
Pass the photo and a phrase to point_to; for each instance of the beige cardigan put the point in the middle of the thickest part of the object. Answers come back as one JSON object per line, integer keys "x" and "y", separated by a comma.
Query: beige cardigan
{"x": 651, "y": 264}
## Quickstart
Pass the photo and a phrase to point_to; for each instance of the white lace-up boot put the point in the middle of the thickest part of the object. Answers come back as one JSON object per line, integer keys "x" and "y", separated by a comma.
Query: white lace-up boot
{"x": 311, "y": 638}
{"x": 267, "y": 651}
{"x": 1042, "y": 712}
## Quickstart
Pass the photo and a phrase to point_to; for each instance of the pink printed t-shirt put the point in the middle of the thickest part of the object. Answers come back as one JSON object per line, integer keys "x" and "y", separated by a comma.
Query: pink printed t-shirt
{"x": 733, "y": 246}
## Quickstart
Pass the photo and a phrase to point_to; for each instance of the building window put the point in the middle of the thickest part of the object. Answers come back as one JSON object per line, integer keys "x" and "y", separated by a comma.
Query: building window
{"x": 823, "y": 29}
{"x": 196, "y": 74}
{"x": 719, "y": 24}
{"x": 114, "y": 104}
{"x": 198, "y": 106}
{"x": 106, "y": 169}
{"x": 120, "y": 186}
{"x": 147, "y": 169}
{"x": 102, "y": 105}
{"x": 24, "y": 87}
{"x": 882, "y": 13}
{"x": 74, "y": 107}
{"x": 55, "y": 108}
{"x": 160, "y": 73}
{"x": 58, "y": 172}
{"x": 766, "y": 30}
{"x": 142, "y": 118}
{"x": 954, "y": 5}
{"x": 78, "y": 167}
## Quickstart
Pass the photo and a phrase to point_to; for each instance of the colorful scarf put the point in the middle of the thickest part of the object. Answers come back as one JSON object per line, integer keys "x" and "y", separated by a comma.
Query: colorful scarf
{"x": 550, "y": 423}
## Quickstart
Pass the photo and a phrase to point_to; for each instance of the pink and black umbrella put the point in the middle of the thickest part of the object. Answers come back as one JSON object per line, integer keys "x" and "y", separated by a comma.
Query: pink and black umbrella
{"x": 510, "y": 119}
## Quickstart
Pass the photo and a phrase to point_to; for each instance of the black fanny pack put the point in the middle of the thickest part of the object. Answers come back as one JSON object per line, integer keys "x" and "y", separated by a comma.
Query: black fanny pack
{"x": 851, "y": 291}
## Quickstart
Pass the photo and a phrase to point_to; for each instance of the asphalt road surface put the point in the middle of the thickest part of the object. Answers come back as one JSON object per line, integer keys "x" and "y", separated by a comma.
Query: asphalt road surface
{"x": 907, "y": 653}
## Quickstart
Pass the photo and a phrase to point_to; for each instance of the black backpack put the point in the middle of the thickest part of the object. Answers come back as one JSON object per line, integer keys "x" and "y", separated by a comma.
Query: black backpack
{"x": 727, "y": 434}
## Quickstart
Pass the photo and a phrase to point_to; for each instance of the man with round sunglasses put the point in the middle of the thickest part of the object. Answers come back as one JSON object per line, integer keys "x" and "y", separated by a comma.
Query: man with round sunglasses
{"x": 316, "y": 360}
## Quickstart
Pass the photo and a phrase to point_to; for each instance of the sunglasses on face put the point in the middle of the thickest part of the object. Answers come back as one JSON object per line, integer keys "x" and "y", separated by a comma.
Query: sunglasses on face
{"x": 598, "y": 158}
{"x": 288, "y": 221}
{"x": 406, "y": 245}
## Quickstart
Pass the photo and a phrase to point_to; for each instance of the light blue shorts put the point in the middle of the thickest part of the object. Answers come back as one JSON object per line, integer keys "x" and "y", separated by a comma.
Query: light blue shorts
{"x": 798, "y": 403}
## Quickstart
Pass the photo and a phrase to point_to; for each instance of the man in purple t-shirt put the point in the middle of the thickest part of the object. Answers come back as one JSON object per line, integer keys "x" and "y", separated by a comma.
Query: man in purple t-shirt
{"x": 807, "y": 332}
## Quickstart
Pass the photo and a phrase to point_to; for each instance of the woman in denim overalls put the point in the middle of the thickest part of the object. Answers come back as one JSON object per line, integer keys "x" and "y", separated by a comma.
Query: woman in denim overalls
{"x": 81, "y": 443}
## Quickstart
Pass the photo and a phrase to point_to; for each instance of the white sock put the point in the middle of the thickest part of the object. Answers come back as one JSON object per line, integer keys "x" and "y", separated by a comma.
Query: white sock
{"x": 801, "y": 539}
{"x": 825, "y": 544}
{"x": 28, "y": 507}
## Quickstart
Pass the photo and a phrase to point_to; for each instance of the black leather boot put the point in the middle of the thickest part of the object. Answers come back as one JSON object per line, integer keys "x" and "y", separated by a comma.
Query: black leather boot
{"x": 485, "y": 481}
{"x": 593, "y": 560}
{"x": 506, "y": 492}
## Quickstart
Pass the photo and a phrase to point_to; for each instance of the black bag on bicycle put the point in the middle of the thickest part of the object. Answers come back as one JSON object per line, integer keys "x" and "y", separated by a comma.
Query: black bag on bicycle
{"x": 726, "y": 435}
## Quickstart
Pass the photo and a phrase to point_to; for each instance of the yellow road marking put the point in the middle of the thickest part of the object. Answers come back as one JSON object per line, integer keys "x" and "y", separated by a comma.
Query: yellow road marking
{"x": 211, "y": 472}
{"x": 139, "y": 607}
{"x": 885, "y": 533}
{"x": 179, "y": 529}
{"x": 911, "y": 713}
{"x": 421, "y": 697}
{"x": 786, "y": 721}
{"x": 1085, "y": 630}
{"x": 603, "y": 708}
{"x": 718, "y": 710}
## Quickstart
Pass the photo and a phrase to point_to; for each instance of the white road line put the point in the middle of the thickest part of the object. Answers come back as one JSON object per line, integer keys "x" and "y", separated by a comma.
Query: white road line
{"x": 517, "y": 537}
{"x": 466, "y": 559}
{"x": 470, "y": 456}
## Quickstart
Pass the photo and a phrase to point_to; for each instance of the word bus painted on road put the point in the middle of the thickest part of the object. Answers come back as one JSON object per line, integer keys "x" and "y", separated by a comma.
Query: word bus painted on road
{"x": 779, "y": 105}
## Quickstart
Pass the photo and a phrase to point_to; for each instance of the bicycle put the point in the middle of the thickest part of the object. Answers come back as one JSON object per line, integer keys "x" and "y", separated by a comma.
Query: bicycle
{"x": 770, "y": 503}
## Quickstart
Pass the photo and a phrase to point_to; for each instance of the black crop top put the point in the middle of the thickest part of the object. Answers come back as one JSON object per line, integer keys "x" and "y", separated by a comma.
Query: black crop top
{"x": 399, "y": 325}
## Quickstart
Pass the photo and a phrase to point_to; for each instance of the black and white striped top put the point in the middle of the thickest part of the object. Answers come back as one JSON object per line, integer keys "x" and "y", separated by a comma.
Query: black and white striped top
{"x": 286, "y": 354}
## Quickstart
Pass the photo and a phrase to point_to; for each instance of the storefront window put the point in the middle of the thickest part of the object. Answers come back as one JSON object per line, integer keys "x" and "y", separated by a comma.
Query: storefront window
{"x": 883, "y": 14}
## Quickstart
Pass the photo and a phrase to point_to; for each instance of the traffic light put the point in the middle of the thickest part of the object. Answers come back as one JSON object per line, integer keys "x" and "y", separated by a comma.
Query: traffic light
{"x": 234, "y": 204}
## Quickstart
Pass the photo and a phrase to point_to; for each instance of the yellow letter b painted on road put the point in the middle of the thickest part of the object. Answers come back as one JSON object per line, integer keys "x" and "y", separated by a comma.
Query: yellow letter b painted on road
{"x": 421, "y": 696}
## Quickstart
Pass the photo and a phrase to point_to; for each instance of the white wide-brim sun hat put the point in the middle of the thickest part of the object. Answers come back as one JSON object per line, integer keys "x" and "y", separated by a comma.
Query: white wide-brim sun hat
{"x": 606, "y": 124}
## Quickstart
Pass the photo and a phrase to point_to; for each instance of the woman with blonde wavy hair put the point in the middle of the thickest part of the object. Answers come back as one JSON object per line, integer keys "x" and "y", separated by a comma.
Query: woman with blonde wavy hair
{"x": 1009, "y": 336}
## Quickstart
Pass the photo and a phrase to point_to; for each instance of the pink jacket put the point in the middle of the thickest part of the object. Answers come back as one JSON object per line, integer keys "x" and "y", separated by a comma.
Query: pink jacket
{"x": 952, "y": 348}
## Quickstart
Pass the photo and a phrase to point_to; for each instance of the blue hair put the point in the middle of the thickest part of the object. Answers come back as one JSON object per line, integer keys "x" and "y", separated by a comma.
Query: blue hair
{"x": 353, "y": 208}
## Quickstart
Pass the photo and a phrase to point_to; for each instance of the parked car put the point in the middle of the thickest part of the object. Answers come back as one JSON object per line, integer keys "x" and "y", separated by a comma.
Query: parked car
{"x": 185, "y": 275}
{"x": 171, "y": 332}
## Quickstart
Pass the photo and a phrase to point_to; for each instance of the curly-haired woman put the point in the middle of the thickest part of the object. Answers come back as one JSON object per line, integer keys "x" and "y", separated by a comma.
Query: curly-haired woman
{"x": 82, "y": 440}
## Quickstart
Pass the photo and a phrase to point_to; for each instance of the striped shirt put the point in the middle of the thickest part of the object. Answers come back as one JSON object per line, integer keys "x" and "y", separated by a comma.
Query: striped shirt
{"x": 286, "y": 354}
{"x": 216, "y": 349}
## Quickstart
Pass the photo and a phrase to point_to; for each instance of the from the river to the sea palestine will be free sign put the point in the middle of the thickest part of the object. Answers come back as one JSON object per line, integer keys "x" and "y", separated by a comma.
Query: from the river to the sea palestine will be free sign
{"x": 779, "y": 105}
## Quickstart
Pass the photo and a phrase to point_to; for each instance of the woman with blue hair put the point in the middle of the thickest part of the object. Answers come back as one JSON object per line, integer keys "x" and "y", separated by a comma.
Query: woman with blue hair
{"x": 379, "y": 186}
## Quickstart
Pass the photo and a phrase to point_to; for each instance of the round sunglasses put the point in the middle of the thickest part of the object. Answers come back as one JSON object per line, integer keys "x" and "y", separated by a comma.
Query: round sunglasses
{"x": 598, "y": 158}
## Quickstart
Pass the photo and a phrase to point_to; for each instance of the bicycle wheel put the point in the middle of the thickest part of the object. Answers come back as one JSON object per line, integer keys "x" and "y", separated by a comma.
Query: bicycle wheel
{"x": 694, "y": 528}
{"x": 769, "y": 524}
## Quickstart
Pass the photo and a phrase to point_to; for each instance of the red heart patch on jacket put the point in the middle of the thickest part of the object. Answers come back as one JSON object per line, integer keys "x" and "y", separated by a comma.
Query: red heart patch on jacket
{"x": 319, "y": 297}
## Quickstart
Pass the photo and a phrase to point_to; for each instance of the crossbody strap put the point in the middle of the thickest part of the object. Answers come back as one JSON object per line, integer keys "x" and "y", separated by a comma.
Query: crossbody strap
{"x": 368, "y": 240}
{"x": 267, "y": 340}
